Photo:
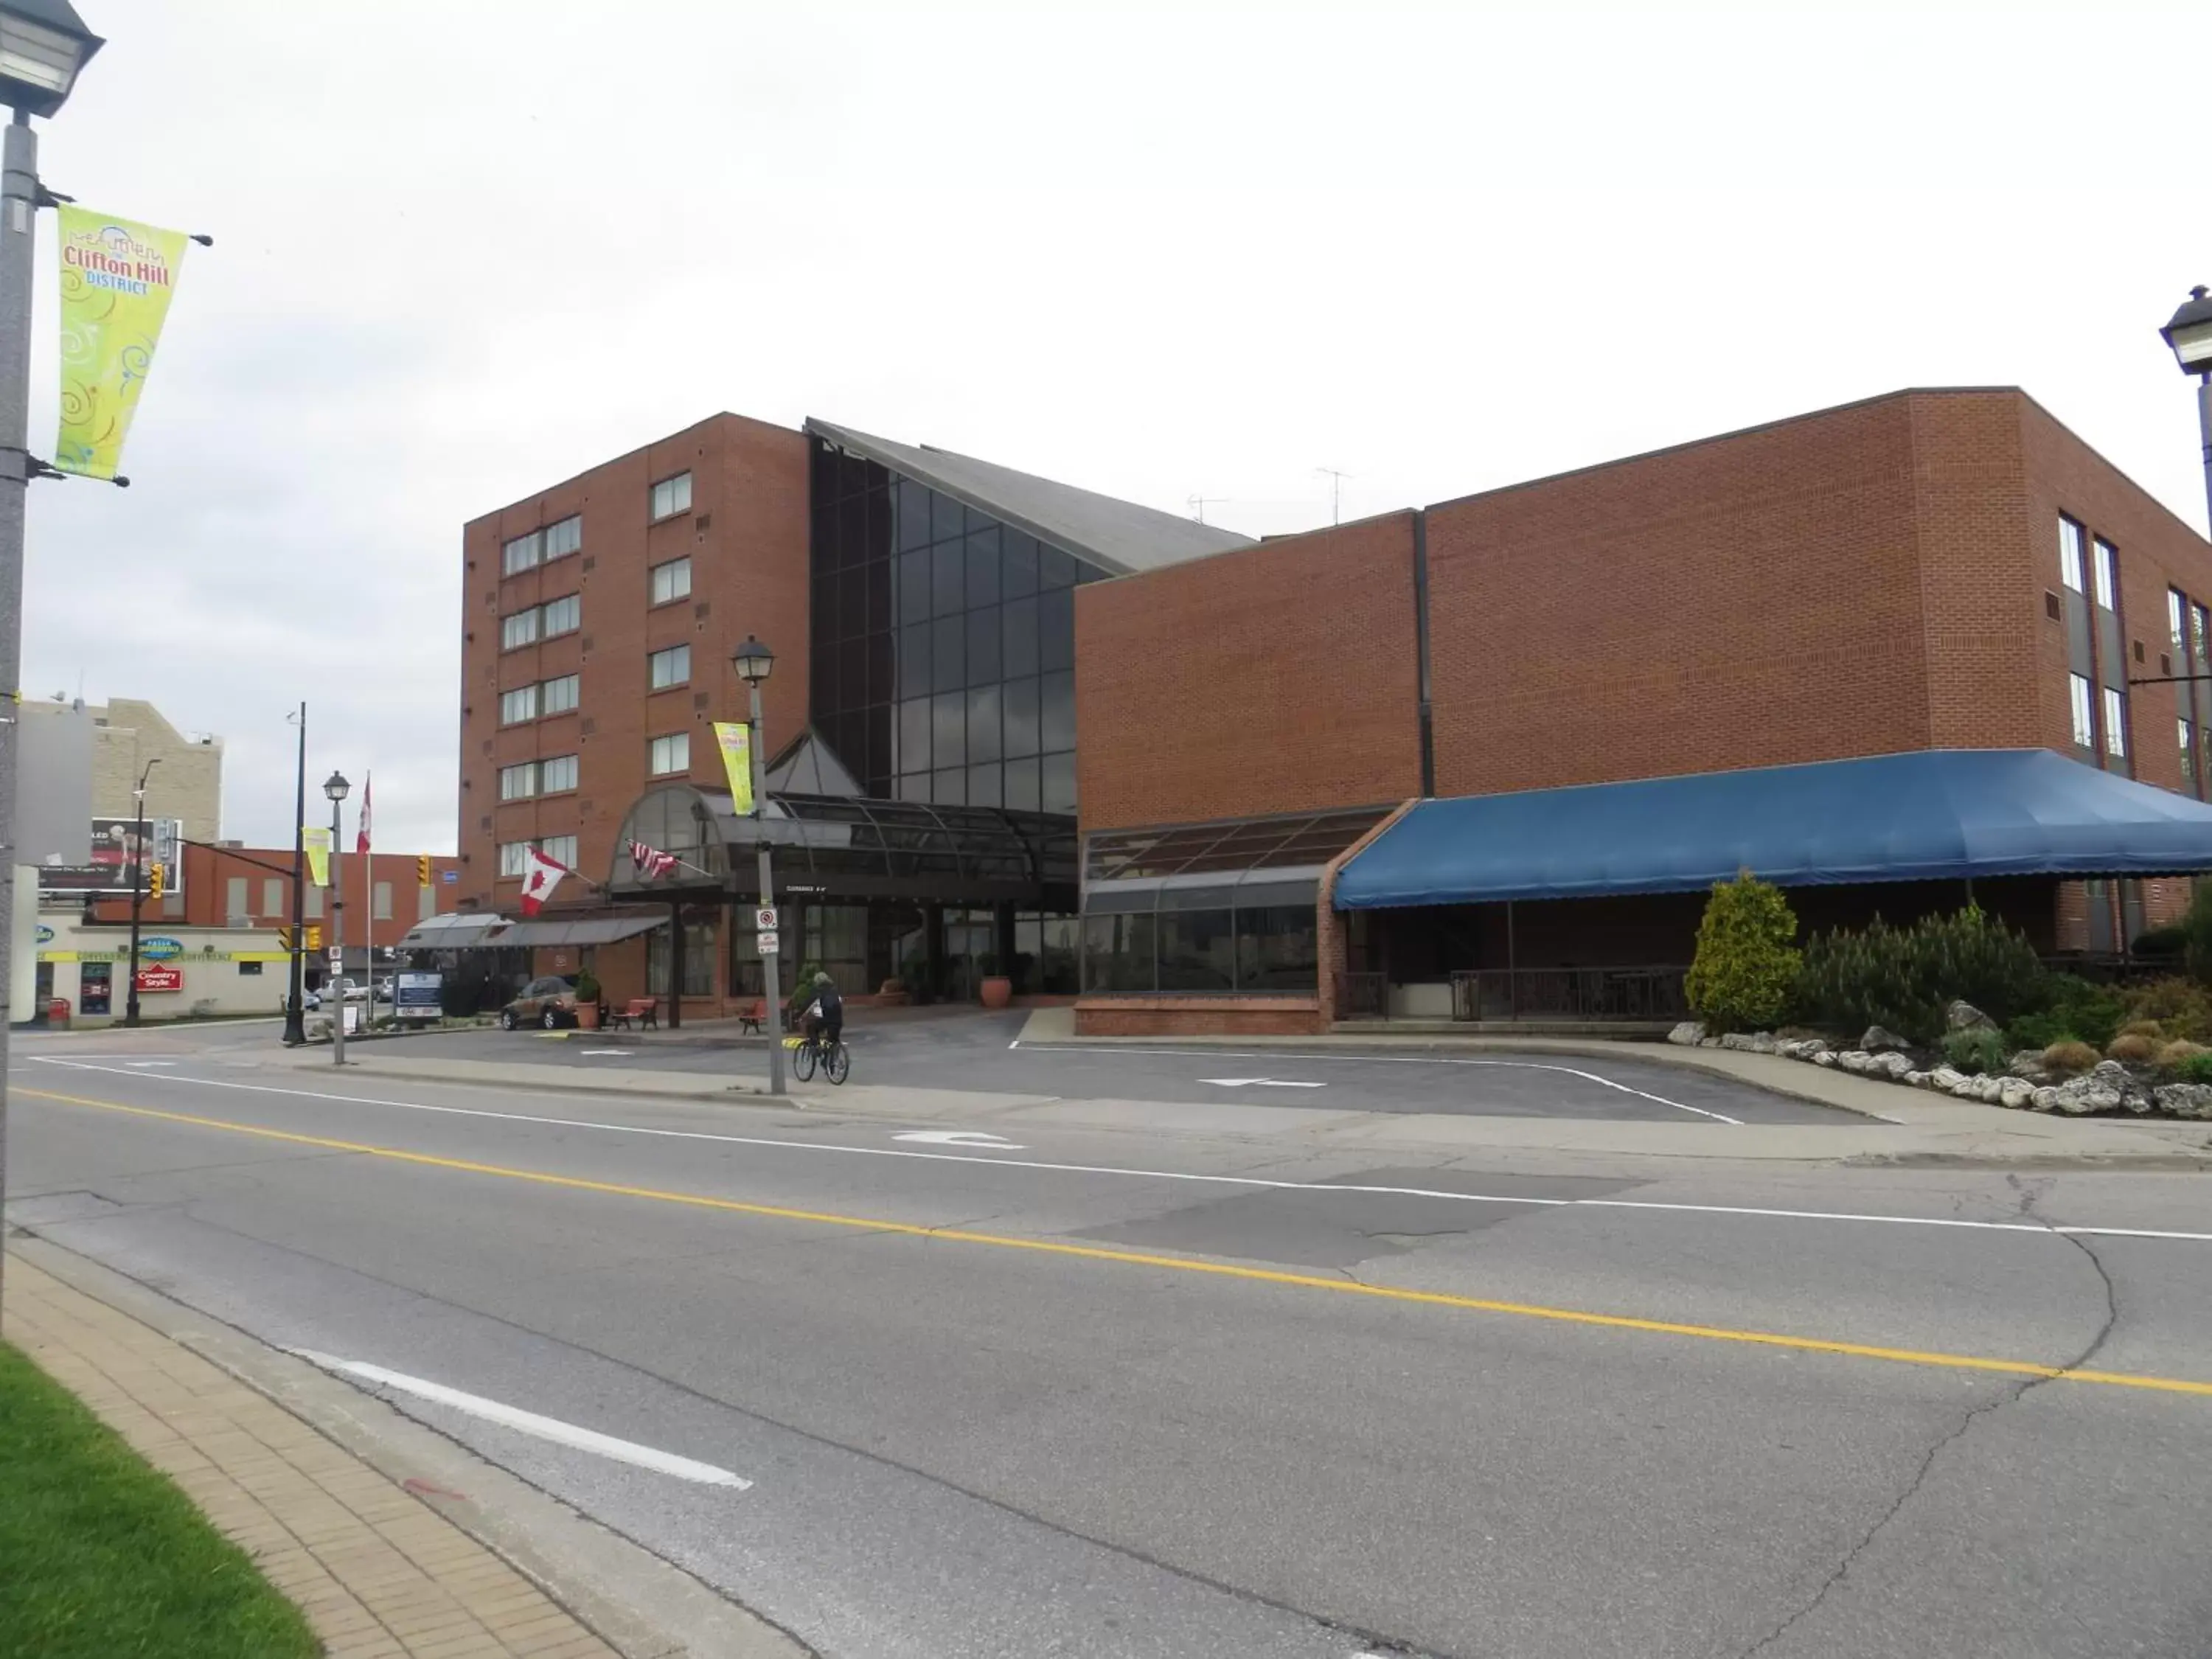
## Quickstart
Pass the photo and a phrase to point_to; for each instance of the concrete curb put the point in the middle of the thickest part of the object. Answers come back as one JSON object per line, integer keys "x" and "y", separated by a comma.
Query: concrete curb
{"x": 641, "y": 1605}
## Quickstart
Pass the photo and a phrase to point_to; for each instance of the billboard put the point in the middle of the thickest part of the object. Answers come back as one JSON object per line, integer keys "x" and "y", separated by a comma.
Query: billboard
{"x": 114, "y": 847}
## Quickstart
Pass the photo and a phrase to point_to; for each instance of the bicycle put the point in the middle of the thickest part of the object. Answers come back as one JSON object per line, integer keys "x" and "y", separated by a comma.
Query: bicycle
{"x": 835, "y": 1059}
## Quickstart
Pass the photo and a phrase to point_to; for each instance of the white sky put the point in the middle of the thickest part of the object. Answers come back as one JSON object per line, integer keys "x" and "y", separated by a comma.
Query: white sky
{"x": 466, "y": 248}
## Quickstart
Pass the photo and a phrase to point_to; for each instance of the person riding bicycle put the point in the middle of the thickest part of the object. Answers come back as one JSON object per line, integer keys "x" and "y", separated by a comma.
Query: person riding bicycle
{"x": 824, "y": 1019}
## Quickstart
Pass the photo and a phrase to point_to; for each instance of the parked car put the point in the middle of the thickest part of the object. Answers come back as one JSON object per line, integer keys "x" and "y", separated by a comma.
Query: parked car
{"x": 550, "y": 1003}
{"x": 354, "y": 992}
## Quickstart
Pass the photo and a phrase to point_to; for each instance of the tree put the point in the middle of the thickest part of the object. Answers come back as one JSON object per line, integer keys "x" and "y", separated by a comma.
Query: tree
{"x": 1747, "y": 961}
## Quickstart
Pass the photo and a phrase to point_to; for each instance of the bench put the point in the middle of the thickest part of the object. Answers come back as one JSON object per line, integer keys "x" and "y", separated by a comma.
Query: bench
{"x": 638, "y": 1011}
{"x": 750, "y": 1018}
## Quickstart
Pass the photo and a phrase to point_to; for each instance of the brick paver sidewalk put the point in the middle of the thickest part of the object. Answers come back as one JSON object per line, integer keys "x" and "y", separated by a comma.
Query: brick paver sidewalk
{"x": 380, "y": 1574}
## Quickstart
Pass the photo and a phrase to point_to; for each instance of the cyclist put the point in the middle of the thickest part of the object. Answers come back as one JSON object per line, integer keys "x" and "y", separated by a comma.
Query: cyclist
{"x": 824, "y": 1019}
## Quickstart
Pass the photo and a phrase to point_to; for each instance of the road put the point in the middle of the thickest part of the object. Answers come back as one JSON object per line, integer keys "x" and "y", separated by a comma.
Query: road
{"x": 1104, "y": 1393}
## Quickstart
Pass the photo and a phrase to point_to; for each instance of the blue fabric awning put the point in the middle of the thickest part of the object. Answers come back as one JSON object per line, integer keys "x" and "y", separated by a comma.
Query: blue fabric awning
{"x": 1932, "y": 815}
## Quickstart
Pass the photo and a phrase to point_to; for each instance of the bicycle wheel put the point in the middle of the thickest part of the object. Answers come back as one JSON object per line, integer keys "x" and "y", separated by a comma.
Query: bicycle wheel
{"x": 802, "y": 1061}
{"x": 838, "y": 1064}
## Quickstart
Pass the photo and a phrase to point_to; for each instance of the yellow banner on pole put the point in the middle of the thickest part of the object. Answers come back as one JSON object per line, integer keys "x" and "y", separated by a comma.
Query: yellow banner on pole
{"x": 736, "y": 742}
{"x": 316, "y": 838}
{"x": 116, "y": 278}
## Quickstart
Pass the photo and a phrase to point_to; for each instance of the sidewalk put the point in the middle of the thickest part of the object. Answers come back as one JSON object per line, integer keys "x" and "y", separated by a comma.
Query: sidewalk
{"x": 380, "y": 1572}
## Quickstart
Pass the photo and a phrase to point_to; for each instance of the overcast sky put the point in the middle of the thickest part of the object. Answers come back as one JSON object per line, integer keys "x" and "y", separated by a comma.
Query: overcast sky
{"x": 465, "y": 249}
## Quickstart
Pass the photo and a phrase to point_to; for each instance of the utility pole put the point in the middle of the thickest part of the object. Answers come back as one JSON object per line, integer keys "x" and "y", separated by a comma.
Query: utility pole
{"x": 137, "y": 889}
{"x": 295, "y": 1013}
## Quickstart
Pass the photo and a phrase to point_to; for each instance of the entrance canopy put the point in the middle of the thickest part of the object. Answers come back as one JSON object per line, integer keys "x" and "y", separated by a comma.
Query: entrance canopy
{"x": 1931, "y": 815}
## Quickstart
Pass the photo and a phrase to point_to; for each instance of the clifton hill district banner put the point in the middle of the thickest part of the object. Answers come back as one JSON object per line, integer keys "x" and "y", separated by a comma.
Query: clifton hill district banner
{"x": 735, "y": 741}
{"x": 116, "y": 278}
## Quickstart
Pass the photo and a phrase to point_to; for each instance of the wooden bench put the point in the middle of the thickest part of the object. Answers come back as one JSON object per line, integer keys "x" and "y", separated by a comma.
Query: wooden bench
{"x": 749, "y": 1017}
{"x": 638, "y": 1011}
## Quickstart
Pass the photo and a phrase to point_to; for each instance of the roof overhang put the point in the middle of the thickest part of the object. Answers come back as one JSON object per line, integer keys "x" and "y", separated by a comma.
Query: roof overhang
{"x": 1930, "y": 815}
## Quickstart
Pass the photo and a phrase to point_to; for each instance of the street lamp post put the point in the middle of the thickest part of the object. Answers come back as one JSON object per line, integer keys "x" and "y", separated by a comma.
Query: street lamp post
{"x": 296, "y": 1020}
{"x": 753, "y": 662}
{"x": 138, "y": 889}
{"x": 335, "y": 786}
{"x": 2189, "y": 331}
{"x": 43, "y": 45}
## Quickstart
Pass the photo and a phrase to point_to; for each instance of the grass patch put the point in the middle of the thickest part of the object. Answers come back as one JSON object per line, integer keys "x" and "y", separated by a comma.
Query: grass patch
{"x": 105, "y": 1558}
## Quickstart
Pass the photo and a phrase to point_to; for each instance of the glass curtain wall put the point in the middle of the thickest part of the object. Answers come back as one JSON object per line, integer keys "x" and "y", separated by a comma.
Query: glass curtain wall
{"x": 944, "y": 644}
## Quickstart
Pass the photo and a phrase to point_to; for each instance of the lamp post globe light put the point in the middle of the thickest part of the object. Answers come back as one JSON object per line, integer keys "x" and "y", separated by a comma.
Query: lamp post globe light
{"x": 754, "y": 661}
{"x": 44, "y": 45}
{"x": 336, "y": 787}
{"x": 2189, "y": 331}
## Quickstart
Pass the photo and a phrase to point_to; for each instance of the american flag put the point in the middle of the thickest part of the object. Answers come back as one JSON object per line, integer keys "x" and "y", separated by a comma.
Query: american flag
{"x": 651, "y": 864}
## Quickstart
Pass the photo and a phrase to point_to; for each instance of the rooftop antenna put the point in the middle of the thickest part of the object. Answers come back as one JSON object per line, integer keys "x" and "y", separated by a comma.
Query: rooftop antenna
{"x": 1336, "y": 493}
{"x": 1198, "y": 504}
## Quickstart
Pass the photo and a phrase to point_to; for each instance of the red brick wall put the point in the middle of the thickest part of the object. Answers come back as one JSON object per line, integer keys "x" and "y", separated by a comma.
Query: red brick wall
{"x": 746, "y": 534}
{"x": 1270, "y": 679}
{"x": 1744, "y": 601}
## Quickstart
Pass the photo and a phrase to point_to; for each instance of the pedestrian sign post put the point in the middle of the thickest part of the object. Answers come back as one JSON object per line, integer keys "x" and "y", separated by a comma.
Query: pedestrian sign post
{"x": 769, "y": 942}
{"x": 764, "y": 919}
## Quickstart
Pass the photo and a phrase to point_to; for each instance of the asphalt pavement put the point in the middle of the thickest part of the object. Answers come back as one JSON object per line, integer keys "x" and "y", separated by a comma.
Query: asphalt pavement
{"x": 1095, "y": 1394}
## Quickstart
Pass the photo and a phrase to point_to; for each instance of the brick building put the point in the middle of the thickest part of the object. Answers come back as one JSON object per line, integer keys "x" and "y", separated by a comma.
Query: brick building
{"x": 1928, "y": 571}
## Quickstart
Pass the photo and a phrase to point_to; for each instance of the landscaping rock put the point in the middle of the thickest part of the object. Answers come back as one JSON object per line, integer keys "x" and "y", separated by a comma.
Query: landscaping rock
{"x": 1826, "y": 1057}
{"x": 1893, "y": 1066}
{"x": 1878, "y": 1038}
{"x": 1964, "y": 1017}
{"x": 2099, "y": 1090}
{"x": 1749, "y": 1042}
{"x": 2028, "y": 1063}
{"x": 2015, "y": 1092}
{"x": 1690, "y": 1033}
{"x": 1946, "y": 1078}
{"x": 1917, "y": 1080}
{"x": 2186, "y": 1099}
{"x": 2044, "y": 1099}
{"x": 1990, "y": 1091}
{"x": 1855, "y": 1060}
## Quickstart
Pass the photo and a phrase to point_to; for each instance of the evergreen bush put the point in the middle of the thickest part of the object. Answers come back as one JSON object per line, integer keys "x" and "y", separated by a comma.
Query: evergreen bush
{"x": 1746, "y": 966}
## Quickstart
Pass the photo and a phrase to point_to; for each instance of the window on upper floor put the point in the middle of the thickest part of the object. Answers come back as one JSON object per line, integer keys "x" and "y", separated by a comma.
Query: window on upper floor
{"x": 671, "y": 496}
{"x": 562, "y": 849}
{"x": 558, "y": 697}
{"x": 2108, "y": 574}
{"x": 518, "y": 782}
{"x": 564, "y": 537}
{"x": 670, "y": 754}
{"x": 564, "y": 615}
{"x": 2116, "y": 723}
{"x": 2077, "y": 687}
{"x": 556, "y": 774}
{"x": 668, "y": 667}
{"x": 522, "y": 553}
{"x": 2070, "y": 561}
{"x": 519, "y": 705}
{"x": 671, "y": 581}
{"x": 514, "y": 858}
{"x": 2176, "y": 623}
{"x": 519, "y": 629}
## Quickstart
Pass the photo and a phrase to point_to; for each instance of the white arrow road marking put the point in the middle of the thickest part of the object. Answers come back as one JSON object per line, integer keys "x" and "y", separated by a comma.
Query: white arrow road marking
{"x": 960, "y": 1138}
{"x": 1258, "y": 1083}
{"x": 142, "y": 1063}
{"x": 545, "y": 1428}
{"x": 605, "y": 1051}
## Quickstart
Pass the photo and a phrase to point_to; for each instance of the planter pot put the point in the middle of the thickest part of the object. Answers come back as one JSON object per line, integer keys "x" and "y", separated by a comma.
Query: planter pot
{"x": 587, "y": 1016}
{"x": 996, "y": 992}
{"x": 891, "y": 999}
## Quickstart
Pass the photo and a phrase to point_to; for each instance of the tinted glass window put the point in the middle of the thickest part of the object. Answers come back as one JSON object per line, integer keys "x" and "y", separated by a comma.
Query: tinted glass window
{"x": 913, "y": 513}
{"x": 914, "y": 586}
{"x": 948, "y": 519}
{"x": 913, "y": 736}
{"x": 983, "y": 661}
{"x": 949, "y": 788}
{"x": 951, "y": 582}
{"x": 914, "y": 660}
{"x": 1117, "y": 953}
{"x": 1056, "y": 785}
{"x": 983, "y": 724}
{"x": 1021, "y": 787}
{"x": 1021, "y": 564}
{"x": 1018, "y": 633}
{"x": 948, "y": 649}
{"x": 1277, "y": 949}
{"x": 1057, "y": 708}
{"x": 982, "y": 785}
{"x": 1056, "y": 628}
{"x": 983, "y": 565}
{"x": 948, "y": 730}
{"x": 1197, "y": 951}
{"x": 1019, "y": 699}
{"x": 1054, "y": 568}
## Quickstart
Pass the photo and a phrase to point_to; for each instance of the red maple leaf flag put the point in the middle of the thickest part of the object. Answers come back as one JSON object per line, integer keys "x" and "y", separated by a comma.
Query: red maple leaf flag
{"x": 540, "y": 876}
{"x": 361, "y": 840}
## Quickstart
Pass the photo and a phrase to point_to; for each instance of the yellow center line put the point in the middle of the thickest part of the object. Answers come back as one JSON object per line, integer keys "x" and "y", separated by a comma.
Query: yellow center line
{"x": 1178, "y": 1264}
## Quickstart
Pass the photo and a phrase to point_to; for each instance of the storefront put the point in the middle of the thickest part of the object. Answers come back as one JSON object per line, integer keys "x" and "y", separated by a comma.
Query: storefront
{"x": 196, "y": 972}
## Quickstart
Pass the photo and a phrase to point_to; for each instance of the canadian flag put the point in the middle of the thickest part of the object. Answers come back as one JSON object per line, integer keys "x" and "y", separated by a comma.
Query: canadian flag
{"x": 361, "y": 840}
{"x": 540, "y": 876}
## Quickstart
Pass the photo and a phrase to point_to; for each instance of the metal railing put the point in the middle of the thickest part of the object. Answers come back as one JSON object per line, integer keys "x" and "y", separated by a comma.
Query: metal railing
{"x": 1362, "y": 996}
{"x": 1592, "y": 993}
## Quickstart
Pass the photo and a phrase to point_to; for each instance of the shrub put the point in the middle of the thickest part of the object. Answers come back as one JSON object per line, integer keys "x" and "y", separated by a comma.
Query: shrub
{"x": 1976, "y": 1050}
{"x": 2133, "y": 1049}
{"x": 2169, "y": 941}
{"x": 2197, "y": 1068}
{"x": 2149, "y": 1028}
{"x": 2196, "y": 929}
{"x": 2173, "y": 1055}
{"x": 2069, "y": 1056}
{"x": 2181, "y": 1008}
{"x": 587, "y": 986}
{"x": 1905, "y": 978}
{"x": 1746, "y": 966}
{"x": 2077, "y": 1012}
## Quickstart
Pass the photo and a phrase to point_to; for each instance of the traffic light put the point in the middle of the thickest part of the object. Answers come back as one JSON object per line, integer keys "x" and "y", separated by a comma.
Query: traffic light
{"x": 284, "y": 938}
{"x": 314, "y": 937}
{"x": 156, "y": 878}
{"x": 422, "y": 869}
